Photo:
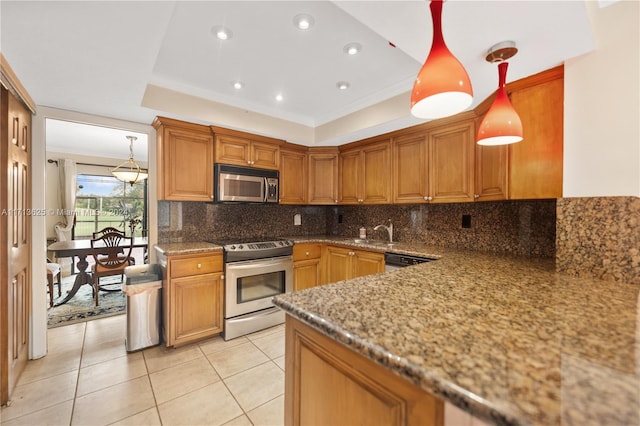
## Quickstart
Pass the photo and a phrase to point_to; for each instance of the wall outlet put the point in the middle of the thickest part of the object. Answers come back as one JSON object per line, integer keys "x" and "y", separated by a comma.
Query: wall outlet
{"x": 297, "y": 220}
{"x": 466, "y": 221}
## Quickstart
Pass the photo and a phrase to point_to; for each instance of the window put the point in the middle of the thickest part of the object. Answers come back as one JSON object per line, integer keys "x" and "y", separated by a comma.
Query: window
{"x": 103, "y": 201}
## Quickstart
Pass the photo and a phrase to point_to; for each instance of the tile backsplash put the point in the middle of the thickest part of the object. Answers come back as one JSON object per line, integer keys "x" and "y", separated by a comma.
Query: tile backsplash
{"x": 511, "y": 227}
{"x": 599, "y": 237}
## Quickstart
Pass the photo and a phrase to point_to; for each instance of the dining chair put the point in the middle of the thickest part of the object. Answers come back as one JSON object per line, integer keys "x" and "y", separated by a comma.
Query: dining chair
{"x": 54, "y": 271}
{"x": 112, "y": 254}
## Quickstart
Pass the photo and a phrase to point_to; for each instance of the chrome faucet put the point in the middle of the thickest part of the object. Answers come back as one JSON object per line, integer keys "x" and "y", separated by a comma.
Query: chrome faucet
{"x": 388, "y": 228}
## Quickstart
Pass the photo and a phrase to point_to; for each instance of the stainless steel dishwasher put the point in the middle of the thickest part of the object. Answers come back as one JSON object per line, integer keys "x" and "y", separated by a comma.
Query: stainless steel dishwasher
{"x": 394, "y": 261}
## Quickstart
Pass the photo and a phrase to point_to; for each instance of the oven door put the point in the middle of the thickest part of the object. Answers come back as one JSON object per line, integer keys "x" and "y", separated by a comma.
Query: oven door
{"x": 251, "y": 284}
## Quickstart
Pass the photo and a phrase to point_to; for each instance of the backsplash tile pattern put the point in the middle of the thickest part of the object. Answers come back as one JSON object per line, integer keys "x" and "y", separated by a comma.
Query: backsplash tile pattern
{"x": 599, "y": 237}
{"x": 192, "y": 221}
{"x": 514, "y": 227}
{"x": 523, "y": 228}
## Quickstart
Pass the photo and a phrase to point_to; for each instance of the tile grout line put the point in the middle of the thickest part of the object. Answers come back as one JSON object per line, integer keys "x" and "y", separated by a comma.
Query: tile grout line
{"x": 75, "y": 392}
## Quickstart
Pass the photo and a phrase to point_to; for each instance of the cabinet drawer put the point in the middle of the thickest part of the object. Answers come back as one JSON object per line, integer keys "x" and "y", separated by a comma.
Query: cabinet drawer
{"x": 306, "y": 251}
{"x": 196, "y": 265}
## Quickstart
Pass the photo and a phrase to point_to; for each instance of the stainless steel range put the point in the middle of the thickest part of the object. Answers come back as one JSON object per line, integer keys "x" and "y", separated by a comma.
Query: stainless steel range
{"x": 255, "y": 271}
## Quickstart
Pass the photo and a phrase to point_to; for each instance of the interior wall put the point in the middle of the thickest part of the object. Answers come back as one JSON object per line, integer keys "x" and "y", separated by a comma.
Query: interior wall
{"x": 602, "y": 106}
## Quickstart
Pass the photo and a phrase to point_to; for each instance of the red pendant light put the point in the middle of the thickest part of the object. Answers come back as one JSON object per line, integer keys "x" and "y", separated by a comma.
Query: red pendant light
{"x": 442, "y": 87}
{"x": 501, "y": 125}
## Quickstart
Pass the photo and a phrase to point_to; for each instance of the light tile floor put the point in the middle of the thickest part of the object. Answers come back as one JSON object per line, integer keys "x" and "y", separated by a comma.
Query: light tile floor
{"x": 88, "y": 378}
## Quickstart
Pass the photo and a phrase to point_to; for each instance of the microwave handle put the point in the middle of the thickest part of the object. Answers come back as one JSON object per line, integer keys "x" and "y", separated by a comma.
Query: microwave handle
{"x": 265, "y": 196}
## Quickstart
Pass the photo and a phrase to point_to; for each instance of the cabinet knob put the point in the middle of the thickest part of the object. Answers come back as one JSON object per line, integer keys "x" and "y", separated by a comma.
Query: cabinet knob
{"x": 199, "y": 265}
{"x": 307, "y": 253}
{"x": 476, "y": 196}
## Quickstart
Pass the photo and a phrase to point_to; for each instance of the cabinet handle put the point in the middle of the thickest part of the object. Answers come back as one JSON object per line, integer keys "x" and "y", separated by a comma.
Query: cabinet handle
{"x": 222, "y": 277}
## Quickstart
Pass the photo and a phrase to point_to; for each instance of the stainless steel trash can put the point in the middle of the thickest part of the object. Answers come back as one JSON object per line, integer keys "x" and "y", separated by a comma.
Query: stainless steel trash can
{"x": 143, "y": 288}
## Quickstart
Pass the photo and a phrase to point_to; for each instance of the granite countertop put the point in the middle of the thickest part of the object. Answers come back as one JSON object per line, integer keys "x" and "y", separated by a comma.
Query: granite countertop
{"x": 173, "y": 249}
{"x": 506, "y": 339}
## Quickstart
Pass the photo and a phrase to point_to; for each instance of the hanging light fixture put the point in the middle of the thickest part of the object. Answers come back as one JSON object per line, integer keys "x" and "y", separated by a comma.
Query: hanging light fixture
{"x": 501, "y": 125}
{"x": 129, "y": 171}
{"x": 442, "y": 87}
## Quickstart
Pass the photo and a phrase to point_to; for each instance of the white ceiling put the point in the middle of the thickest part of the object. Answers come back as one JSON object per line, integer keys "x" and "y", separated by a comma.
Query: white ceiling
{"x": 100, "y": 57}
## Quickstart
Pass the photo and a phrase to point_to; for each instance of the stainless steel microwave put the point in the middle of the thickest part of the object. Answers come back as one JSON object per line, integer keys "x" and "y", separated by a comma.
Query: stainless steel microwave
{"x": 245, "y": 184}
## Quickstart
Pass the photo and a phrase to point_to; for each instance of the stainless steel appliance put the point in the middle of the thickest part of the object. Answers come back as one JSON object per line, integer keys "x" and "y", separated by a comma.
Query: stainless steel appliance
{"x": 255, "y": 271}
{"x": 394, "y": 261}
{"x": 245, "y": 184}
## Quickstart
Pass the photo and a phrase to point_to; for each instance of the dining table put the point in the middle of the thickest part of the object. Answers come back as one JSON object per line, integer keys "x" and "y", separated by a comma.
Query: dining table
{"x": 81, "y": 249}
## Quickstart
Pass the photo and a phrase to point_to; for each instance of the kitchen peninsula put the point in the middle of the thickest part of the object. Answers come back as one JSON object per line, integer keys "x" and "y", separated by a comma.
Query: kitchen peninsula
{"x": 506, "y": 339}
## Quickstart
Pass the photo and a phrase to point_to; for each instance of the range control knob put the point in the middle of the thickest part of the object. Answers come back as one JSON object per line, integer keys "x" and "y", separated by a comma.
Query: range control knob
{"x": 233, "y": 247}
{"x": 240, "y": 247}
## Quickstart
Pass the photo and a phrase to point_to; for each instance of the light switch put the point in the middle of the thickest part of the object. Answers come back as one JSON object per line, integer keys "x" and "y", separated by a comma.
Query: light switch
{"x": 297, "y": 220}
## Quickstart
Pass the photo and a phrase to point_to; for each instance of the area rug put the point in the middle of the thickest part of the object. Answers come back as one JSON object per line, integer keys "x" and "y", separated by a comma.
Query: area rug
{"x": 82, "y": 307}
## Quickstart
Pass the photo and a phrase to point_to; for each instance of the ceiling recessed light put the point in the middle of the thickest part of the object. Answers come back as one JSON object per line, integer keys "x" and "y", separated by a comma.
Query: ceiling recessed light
{"x": 352, "y": 48}
{"x": 342, "y": 85}
{"x": 221, "y": 32}
{"x": 303, "y": 21}
{"x": 279, "y": 97}
{"x": 237, "y": 85}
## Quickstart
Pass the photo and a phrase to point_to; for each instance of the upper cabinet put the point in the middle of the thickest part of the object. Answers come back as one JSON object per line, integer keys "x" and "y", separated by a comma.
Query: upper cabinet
{"x": 323, "y": 175}
{"x": 435, "y": 164}
{"x": 244, "y": 149}
{"x": 185, "y": 160}
{"x": 451, "y": 162}
{"x": 365, "y": 172}
{"x": 294, "y": 174}
{"x": 535, "y": 163}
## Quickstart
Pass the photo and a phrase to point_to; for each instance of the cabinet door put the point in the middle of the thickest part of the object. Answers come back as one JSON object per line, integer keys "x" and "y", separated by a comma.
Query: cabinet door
{"x": 265, "y": 155}
{"x": 535, "y": 163}
{"x": 451, "y": 163}
{"x": 233, "y": 150}
{"x": 323, "y": 178}
{"x": 306, "y": 274}
{"x": 337, "y": 264}
{"x": 366, "y": 263}
{"x": 327, "y": 383}
{"x": 350, "y": 172}
{"x": 293, "y": 177}
{"x": 196, "y": 308}
{"x": 491, "y": 173}
{"x": 187, "y": 165}
{"x": 375, "y": 176}
{"x": 410, "y": 169}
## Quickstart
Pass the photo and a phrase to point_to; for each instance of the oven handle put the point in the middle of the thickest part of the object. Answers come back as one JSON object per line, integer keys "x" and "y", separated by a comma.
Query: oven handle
{"x": 272, "y": 261}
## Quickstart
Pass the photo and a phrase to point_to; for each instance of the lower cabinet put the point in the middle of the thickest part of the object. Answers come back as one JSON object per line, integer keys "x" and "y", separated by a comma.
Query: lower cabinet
{"x": 193, "y": 295}
{"x": 327, "y": 383}
{"x": 306, "y": 265}
{"x": 344, "y": 263}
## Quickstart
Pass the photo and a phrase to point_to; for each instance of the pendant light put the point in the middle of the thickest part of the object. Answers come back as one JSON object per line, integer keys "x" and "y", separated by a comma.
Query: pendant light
{"x": 501, "y": 125}
{"x": 442, "y": 87}
{"x": 129, "y": 171}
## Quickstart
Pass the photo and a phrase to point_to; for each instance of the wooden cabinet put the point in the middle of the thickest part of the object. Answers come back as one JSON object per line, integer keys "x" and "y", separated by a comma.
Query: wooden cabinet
{"x": 245, "y": 149}
{"x": 491, "y": 173}
{"x": 294, "y": 175}
{"x": 435, "y": 164}
{"x": 323, "y": 175}
{"x": 193, "y": 297}
{"x": 365, "y": 173}
{"x": 410, "y": 178}
{"x": 306, "y": 265}
{"x": 185, "y": 160}
{"x": 535, "y": 163}
{"x": 451, "y": 162}
{"x": 327, "y": 383}
{"x": 344, "y": 263}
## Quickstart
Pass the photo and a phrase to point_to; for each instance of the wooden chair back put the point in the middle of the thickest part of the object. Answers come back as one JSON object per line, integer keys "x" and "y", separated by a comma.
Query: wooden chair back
{"x": 108, "y": 250}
